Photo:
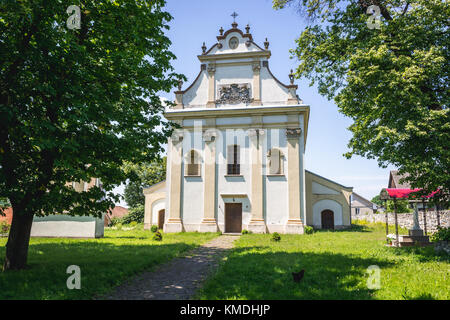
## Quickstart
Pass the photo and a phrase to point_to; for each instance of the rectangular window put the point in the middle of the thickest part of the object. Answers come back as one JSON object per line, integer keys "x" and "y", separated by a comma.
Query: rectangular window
{"x": 233, "y": 167}
{"x": 193, "y": 164}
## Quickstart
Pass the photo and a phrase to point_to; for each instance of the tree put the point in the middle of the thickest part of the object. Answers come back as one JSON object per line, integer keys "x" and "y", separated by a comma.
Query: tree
{"x": 377, "y": 201}
{"x": 401, "y": 204}
{"x": 76, "y": 104}
{"x": 146, "y": 174}
{"x": 392, "y": 81}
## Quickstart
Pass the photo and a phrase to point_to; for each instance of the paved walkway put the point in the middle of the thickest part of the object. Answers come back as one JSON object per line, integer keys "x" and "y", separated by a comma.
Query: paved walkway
{"x": 178, "y": 279}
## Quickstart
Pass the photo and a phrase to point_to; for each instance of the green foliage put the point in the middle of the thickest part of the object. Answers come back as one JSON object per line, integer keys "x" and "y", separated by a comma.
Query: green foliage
{"x": 308, "y": 230}
{"x": 377, "y": 201}
{"x": 245, "y": 231}
{"x": 157, "y": 236}
{"x": 4, "y": 227}
{"x": 77, "y": 104}
{"x": 276, "y": 236}
{"x": 154, "y": 228}
{"x": 443, "y": 234}
{"x": 402, "y": 206}
{"x": 115, "y": 221}
{"x": 4, "y": 203}
{"x": 392, "y": 81}
{"x": 134, "y": 214}
{"x": 132, "y": 224}
{"x": 144, "y": 175}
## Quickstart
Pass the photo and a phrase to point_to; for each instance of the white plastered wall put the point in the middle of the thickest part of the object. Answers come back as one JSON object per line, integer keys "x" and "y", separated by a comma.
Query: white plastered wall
{"x": 327, "y": 204}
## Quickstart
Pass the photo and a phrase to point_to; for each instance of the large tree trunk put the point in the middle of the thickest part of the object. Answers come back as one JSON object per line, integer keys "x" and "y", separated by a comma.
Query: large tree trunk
{"x": 18, "y": 240}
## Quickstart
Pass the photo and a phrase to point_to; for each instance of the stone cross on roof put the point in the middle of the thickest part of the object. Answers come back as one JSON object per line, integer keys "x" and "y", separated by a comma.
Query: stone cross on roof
{"x": 234, "y": 15}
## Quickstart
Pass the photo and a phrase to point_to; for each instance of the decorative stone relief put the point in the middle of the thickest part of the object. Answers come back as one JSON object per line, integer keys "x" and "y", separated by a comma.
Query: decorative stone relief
{"x": 256, "y": 66}
{"x": 293, "y": 133}
{"x": 211, "y": 68}
{"x": 209, "y": 135}
{"x": 234, "y": 93}
{"x": 252, "y": 133}
{"x": 177, "y": 136}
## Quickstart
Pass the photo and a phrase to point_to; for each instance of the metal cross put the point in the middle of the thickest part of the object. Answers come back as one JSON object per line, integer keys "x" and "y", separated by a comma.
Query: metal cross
{"x": 234, "y": 15}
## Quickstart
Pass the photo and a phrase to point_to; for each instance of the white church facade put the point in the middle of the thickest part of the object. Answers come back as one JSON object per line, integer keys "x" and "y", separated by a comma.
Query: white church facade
{"x": 237, "y": 159}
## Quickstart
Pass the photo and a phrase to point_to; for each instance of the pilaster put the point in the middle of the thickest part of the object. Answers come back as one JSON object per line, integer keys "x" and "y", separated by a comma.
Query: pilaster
{"x": 209, "y": 223}
{"x": 174, "y": 223}
{"x": 256, "y": 66}
{"x": 257, "y": 223}
{"x": 294, "y": 223}
{"x": 211, "y": 86}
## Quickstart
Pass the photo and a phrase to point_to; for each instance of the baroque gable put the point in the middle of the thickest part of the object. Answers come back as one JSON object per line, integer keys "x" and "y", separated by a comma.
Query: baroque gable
{"x": 234, "y": 72}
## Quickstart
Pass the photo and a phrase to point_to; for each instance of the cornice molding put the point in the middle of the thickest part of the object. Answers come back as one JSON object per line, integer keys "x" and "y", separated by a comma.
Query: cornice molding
{"x": 237, "y": 55}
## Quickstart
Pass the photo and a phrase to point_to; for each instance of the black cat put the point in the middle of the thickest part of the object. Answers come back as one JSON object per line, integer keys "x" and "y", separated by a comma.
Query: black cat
{"x": 298, "y": 275}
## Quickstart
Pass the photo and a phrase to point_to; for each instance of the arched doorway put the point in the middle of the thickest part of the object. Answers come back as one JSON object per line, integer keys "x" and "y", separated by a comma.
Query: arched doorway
{"x": 161, "y": 214}
{"x": 327, "y": 219}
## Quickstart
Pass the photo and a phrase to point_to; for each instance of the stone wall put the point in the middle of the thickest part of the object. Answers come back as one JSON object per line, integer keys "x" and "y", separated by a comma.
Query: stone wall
{"x": 405, "y": 220}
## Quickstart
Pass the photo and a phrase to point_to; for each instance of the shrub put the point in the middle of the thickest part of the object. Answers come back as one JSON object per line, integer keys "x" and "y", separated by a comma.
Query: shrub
{"x": 309, "y": 230}
{"x": 245, "y": 231}
{"x": 157, "y": 236}
{"x": 115, "y": 221}
{"x": 118, "y": 226}
{"x": 135, "y": 214}
{"x": 132, "y": 224}
{"x": 276, "y": 236}
{"x": 154, "y": 228}
{"x": 443, "y": 234}
{"x": 4, "y": 227}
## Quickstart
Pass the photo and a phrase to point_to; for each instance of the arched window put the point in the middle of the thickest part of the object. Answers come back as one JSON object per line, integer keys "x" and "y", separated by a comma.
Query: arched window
{"x": 193, "y": 164}
{"x": 276, "y": 162}
{"x": 233, "y": 159}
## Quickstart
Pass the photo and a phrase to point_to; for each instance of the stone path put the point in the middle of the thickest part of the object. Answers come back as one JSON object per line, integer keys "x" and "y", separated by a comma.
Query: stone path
{"x": 178, "y": 279}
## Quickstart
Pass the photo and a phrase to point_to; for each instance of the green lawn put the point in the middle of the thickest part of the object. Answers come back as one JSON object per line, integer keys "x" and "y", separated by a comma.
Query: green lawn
{"x": 335, "y": 264}
{"x": 104, "y": 262}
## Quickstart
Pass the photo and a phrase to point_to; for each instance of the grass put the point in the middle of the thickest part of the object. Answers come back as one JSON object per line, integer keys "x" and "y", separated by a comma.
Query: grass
{"x": 104, "y": 262}
{"x": 335, "y": 264}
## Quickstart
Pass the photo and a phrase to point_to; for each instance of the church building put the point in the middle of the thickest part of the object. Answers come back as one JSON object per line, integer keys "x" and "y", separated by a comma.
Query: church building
{"x": 237, "y": 160}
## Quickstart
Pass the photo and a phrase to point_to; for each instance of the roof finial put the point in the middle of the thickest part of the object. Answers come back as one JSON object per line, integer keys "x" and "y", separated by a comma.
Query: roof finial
{"x": 291, "y": 76}
{"x": 221, "y": 31}
{"x": 203, "y": 48}
{"x": 266, "y": 44}
{"x": 247, "y": 29}
{"x": 234, "y": 15}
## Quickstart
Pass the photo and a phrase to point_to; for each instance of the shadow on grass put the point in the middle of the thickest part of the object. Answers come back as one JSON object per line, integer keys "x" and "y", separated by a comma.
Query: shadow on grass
{"x": 257, "y": 273}
{"x": 102, "y": 266}
{"x": 421, "y": 253}
{"x": 353, "y": 228}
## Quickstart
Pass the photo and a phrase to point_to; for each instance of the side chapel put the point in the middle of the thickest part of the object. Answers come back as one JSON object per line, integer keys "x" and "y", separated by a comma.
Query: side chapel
{"x": 238, "y": 160}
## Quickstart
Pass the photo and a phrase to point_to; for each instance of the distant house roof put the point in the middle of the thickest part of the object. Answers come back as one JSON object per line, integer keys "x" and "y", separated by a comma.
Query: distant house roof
{"x": 359, "y": 201}
{"x": 394, "y": 180}
{"x": 116, "y": 212}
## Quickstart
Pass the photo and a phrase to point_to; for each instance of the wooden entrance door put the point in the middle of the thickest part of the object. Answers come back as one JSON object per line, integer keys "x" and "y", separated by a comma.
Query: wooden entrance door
{"x": 161, "y": 214}
{"x": 327, "y": 219}
{"x": 233, "y": 217}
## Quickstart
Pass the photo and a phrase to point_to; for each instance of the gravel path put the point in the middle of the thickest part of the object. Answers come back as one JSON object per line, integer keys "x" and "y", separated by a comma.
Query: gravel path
{"x": 178, "y": 279}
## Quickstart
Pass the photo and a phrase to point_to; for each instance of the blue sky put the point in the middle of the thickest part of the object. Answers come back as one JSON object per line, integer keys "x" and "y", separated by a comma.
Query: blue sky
{"x": 198, "y": 21}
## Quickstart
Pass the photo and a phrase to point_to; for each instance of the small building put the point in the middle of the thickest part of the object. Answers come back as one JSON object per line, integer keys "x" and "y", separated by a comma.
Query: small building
{"x": 361, "y": 205}
{"x": 66, "y": 226}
